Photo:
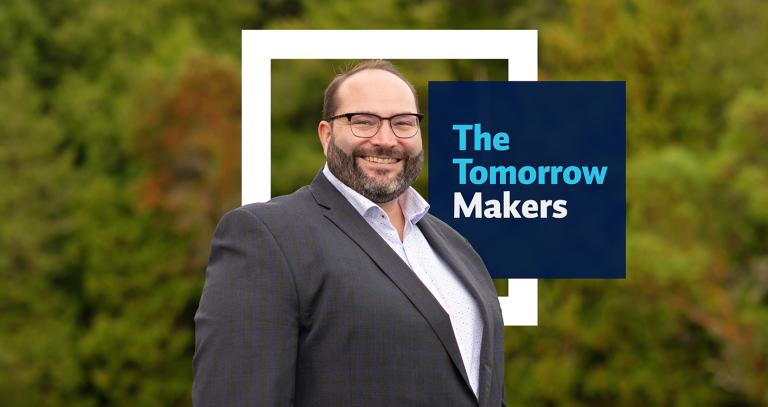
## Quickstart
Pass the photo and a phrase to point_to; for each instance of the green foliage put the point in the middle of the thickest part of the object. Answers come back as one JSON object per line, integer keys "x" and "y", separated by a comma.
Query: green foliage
{"x": 119, "y": 152}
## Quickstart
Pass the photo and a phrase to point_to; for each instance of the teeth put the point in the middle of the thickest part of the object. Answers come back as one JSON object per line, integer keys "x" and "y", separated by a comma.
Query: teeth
{"x": 381, "y": 160}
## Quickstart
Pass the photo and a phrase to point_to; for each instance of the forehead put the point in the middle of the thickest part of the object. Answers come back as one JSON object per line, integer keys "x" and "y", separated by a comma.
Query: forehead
{"x": 375, "y": 91}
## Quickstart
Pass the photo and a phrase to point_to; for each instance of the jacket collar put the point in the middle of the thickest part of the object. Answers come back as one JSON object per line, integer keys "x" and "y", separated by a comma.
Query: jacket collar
{"x": 441, "y": 244}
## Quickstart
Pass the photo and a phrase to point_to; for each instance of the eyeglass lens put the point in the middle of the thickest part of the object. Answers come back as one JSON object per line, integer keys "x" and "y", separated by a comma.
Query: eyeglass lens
{"x": 364, "y": 125}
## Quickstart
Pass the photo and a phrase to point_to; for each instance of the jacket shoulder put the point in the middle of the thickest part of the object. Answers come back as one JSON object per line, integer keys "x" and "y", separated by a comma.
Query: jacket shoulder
{"x": 300, "y": 201}
{"x": 447, "y": 231}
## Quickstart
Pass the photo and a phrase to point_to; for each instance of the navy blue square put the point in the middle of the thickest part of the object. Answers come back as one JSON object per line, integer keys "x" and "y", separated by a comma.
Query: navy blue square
{"x": 533, "y": 174}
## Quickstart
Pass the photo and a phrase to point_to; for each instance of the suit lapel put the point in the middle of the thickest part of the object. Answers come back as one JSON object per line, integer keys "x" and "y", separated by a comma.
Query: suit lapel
{"x": 441, "y": 245}
{"x": 344, "y": 215}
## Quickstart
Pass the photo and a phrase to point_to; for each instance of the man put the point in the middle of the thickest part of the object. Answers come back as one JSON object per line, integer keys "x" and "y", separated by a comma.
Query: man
{"x": 347, "y": 293}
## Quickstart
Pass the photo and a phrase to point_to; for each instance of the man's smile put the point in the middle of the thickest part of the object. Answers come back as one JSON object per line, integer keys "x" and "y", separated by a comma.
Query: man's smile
{"x": 380, "y": 160}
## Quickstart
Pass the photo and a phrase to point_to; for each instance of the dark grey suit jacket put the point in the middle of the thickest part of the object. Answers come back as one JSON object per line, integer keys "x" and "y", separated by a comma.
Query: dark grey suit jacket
{"x": 304, "y": 304}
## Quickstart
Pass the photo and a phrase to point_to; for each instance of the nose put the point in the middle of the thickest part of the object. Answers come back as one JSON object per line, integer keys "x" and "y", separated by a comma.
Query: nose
{"x": 385, "y": 137}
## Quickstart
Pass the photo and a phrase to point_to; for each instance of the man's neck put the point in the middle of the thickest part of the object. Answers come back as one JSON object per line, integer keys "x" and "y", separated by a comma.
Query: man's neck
{"x": 395, "y": 214}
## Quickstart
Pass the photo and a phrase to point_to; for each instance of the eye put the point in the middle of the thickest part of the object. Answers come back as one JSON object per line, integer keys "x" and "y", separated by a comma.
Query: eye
{"x": 364, "y": 120}
{"x": 405, "y": 121}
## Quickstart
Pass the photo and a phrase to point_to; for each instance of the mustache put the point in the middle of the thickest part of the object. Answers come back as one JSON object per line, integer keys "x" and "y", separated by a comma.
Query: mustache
{"x": 390, "y": 152}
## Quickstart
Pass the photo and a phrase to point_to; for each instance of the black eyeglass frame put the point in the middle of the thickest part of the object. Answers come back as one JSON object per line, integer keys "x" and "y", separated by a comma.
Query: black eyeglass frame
{"x": 349, "y": 118}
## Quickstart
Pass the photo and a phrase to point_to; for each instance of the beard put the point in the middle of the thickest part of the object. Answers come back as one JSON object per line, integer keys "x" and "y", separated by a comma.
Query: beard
{"x": 377, "y": 190}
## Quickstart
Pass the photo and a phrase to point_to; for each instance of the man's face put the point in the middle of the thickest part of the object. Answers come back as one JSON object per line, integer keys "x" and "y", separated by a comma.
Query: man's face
{"x": 382, "y": 167}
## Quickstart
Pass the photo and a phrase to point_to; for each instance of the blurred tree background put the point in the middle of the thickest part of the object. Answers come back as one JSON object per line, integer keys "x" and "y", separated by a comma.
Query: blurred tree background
{"x": 120, "y": 151}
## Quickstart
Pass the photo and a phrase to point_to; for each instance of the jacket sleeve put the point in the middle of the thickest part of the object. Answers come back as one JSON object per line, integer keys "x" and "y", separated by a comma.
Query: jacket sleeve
{"x": 246, "y": 327}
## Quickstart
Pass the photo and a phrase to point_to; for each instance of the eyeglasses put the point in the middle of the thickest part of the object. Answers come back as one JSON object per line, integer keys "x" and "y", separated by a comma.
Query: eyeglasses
{"x": 366, "y": 125}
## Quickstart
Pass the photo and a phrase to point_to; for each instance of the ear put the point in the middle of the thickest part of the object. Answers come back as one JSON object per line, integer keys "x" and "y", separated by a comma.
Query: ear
{"x": 325, "y": 132}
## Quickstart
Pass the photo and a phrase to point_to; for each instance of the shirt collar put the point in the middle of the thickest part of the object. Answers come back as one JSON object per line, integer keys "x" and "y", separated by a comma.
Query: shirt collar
{"x": 414, "y": 207}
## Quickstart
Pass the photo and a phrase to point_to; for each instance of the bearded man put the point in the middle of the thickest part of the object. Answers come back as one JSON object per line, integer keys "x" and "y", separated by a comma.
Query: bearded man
{"x": 347, "y": 292}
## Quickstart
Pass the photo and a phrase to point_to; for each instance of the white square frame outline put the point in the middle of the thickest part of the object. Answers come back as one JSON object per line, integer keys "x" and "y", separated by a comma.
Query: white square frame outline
{"x": 260, "y": 47}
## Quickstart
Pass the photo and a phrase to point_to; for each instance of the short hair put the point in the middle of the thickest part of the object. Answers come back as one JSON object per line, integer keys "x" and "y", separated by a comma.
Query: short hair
{"x": 330, "y": 101}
